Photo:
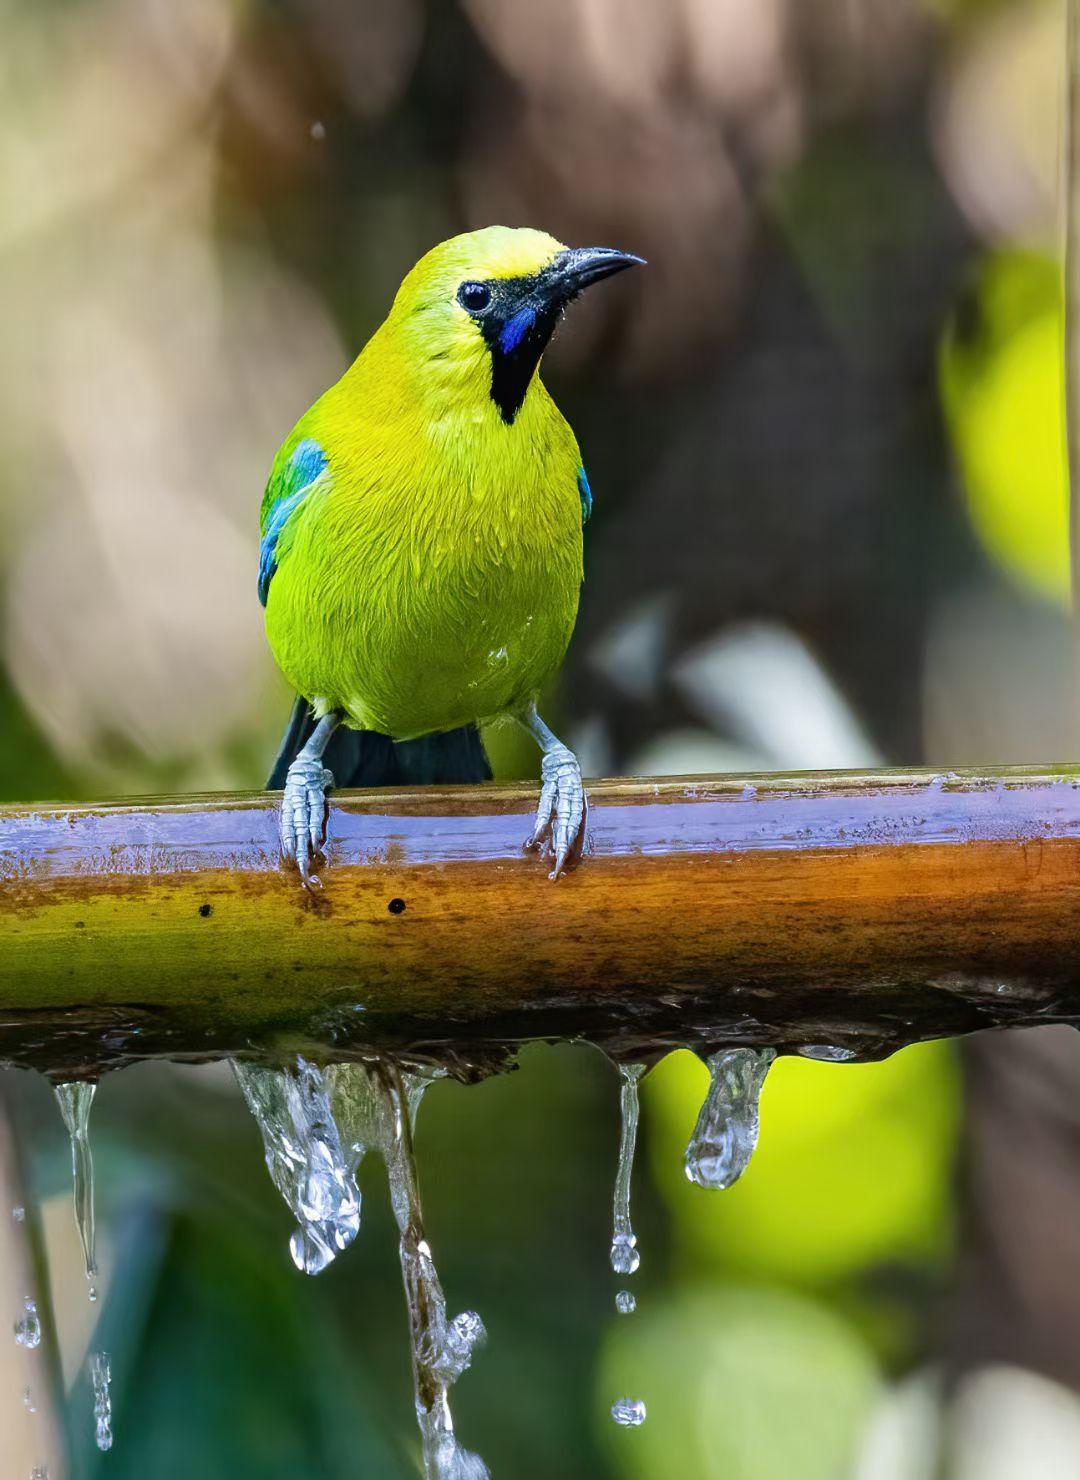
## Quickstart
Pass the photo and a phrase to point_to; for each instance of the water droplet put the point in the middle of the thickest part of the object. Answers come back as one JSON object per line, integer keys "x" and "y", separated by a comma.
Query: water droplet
{"x": 305, "y": 1158}
{"x": 28, "y": 1326}
{"x": 628, "y": 1413}
{"x": 75, "y": 1101}
{"x": 317, "y": 131}
{"x": 625, "y": 1303}
{"x": 39, "y": 1472}
{"x": 93, "y": 1294}
{"x": 464, "y": 1334}
{"x": 625, "y": 1258}
{"x": 19, "y": 1213}
{"x": 727, "y": 1127}
{"x": 101, "y": 1377}
{"x": 28, "y": 1401}
{"x": 828, "y": 1053}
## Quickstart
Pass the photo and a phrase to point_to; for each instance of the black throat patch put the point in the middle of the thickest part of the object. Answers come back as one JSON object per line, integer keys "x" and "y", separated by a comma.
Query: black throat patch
{"x": 517, "y": 328}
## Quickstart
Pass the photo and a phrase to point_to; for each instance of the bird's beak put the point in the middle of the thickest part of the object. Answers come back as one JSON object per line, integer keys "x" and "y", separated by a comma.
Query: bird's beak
{"x": 580, "y": 267}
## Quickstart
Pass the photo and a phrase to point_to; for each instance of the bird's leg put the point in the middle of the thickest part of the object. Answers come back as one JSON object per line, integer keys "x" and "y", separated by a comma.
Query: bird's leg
{"x": 564, "y": 808}
{"x": 303, "y": 808}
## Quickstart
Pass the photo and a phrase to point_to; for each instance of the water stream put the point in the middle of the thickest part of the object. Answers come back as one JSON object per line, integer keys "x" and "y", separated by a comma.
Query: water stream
{"x": 305, "y": 1158}
{"x": 75, "y": 1100}
{"x": 441, "y": 1349}
{"x": 317, "y": 1126}
{"x": 625, "y": 1258}
{"x": 101, "y": 1377}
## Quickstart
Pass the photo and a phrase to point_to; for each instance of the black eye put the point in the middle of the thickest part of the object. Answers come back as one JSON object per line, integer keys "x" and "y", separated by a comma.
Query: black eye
{"x": 474, "y": 297}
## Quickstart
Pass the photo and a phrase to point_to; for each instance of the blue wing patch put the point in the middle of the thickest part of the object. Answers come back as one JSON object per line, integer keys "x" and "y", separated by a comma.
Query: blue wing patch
{"x": 585, "y": 494}
{"x": 308, "y": 462}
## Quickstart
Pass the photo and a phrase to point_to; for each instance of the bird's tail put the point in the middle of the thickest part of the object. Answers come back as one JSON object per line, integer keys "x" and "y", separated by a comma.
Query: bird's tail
{"x": 364, "y": 758}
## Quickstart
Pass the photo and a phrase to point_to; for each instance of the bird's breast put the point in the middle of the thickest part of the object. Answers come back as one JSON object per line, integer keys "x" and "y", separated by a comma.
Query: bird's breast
{"x": 436, "y": 609}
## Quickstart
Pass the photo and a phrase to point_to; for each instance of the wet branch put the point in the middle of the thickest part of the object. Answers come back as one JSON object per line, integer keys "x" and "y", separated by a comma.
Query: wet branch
{"x": 857, "y": 911}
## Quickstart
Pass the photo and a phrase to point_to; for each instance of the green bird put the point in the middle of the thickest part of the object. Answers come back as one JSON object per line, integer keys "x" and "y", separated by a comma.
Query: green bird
{"x": 421, "y": 554}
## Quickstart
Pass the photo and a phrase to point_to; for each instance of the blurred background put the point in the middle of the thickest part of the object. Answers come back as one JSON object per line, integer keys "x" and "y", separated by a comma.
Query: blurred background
{"x": 824, "y": 435}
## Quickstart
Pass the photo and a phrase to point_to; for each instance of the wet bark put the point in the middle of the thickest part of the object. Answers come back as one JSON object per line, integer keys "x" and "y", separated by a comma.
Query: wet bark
{"x": 857, "y": 910}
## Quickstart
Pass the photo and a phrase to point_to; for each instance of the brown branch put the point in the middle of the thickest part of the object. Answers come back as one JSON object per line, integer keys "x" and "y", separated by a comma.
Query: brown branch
{"x": 859, "y": 910}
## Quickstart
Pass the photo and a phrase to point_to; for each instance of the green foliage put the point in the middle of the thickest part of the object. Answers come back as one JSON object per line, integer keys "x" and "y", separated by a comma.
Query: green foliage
{"x": 1002, "y": 383}
{"x": 741, "y": 1385}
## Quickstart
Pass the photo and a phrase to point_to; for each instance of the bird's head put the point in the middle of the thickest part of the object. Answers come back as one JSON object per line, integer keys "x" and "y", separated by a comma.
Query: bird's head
{"x": 477, "y": 311}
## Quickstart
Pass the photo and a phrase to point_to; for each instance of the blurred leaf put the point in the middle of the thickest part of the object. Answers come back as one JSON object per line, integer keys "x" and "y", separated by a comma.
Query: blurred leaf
{"x": 240, "y": 1373}
{"x": 29, "y": 770}
{"x": 738, "y": 1385}
{"x": 1003, "y": 392}
{"x": 853, "y": 1167}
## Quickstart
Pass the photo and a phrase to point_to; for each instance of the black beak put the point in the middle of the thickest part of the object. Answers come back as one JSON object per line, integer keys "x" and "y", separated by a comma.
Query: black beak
{"x": 523, "y": 313}
{"x": 580, "y": 267}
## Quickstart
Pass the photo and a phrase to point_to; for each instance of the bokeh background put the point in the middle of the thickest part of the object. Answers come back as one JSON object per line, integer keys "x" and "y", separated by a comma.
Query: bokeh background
{"x": 824, "y": 434}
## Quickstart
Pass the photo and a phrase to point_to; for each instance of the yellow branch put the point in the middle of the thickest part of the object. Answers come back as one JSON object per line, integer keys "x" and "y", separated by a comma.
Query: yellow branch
{"x": 863, "y": 910}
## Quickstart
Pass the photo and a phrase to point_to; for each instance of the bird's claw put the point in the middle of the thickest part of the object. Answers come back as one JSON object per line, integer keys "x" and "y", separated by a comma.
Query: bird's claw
{"x": 562, "y": 812}
{"x": 303, "y": 816}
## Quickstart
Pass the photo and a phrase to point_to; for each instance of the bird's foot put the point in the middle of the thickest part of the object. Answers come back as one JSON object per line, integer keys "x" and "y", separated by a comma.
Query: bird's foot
{"x": 563, "y": 811}
{"x": 304, "y": 811}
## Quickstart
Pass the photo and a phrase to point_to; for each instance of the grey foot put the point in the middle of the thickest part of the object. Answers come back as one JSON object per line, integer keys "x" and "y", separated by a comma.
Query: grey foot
{"x": 563, "y": 810}
{"x": 303, "y": 815}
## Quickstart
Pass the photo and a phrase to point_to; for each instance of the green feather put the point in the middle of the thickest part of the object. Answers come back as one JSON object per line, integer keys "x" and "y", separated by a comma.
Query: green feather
{"x": 431, "y": 579}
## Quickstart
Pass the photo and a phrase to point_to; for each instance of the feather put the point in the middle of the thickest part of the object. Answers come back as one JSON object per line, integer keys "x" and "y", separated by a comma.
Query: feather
{"x": 360, "y": 758}
{"x": 285, "y": 491}
{"x": 585, "y": 495}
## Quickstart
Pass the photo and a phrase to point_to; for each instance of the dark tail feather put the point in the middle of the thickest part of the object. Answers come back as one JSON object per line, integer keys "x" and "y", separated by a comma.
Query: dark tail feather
{"x": 364, "y": 758}
{"x": 297, "y": 730}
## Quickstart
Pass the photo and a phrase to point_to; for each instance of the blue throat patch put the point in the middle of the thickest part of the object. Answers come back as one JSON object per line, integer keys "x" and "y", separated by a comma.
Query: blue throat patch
{"x": 515, "y": 330}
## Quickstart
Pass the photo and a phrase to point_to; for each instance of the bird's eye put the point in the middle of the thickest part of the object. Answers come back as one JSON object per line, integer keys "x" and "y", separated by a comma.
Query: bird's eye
{"x": 474, "y": 297}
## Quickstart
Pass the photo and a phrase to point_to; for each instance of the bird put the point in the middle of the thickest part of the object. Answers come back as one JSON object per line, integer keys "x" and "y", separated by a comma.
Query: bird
{"x": 421, "y": 542}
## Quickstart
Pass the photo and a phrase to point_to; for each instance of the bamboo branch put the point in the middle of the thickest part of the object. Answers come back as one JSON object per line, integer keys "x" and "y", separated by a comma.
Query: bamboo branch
{"x": 860, "y": 910}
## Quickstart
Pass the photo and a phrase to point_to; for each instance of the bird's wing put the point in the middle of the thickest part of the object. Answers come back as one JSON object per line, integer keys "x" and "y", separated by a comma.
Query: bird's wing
{"x": 291, "y": 480}
{"x": 585, "y": 494}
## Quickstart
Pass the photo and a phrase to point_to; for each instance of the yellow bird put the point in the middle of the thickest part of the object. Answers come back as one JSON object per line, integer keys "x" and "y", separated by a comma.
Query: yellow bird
{"x": 421, "y": 554}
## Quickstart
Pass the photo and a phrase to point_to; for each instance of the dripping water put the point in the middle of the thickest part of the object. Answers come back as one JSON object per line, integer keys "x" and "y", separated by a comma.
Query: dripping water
{"x": 628, "y": 1413}
{"x": 101, "y": 1377}
{"x": 727, "y": 1127}
{"x": 28, "y": 1326}
{"x": 305, "y": 1158}
{"x": 625, "y": 1258}
{"x": 317, "y": 1126}
{"x": 441, "y": 1349}
{"x": 75, "y": 1100}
